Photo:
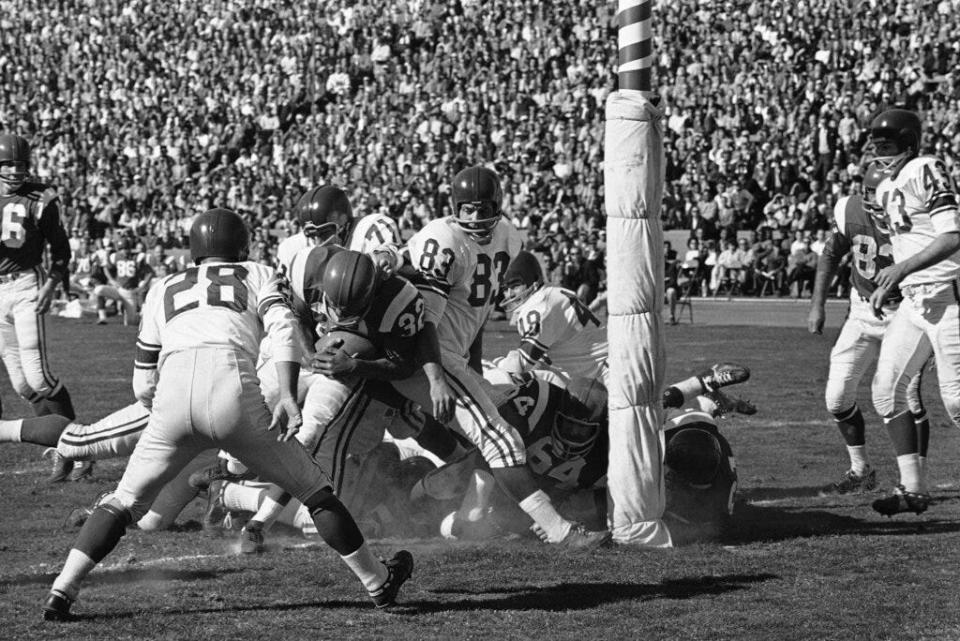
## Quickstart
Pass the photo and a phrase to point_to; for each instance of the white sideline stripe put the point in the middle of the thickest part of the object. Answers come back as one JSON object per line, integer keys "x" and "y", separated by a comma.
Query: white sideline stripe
{"x": 798, "y": 423}
{"x": 125, "y": 565}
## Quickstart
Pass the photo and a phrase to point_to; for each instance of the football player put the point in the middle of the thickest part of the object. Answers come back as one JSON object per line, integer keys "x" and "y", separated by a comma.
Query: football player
{"x": 919, "y": 203}
{"x": 373, "y": 231}
{"x": 557, "y": 331}
{"x": 857, "y": 232}
{"x": 325, "y": 216}
{"x": 29, "y": 221}
{"x": 565, "y": 435}
{"x": 458, "y": 262}
{"x": 128, "y": 277}
{"x": 199, "y": 340}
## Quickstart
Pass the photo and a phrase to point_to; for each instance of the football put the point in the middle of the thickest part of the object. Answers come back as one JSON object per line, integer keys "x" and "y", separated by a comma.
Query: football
{"x": 355, "y": 344}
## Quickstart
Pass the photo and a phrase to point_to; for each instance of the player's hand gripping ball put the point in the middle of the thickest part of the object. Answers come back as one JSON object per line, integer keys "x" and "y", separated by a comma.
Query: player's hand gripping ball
{"x": 338, "y": 352}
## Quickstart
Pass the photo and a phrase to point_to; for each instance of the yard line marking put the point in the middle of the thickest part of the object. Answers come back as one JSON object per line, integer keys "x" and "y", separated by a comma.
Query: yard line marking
{"x": 126, "y": 565}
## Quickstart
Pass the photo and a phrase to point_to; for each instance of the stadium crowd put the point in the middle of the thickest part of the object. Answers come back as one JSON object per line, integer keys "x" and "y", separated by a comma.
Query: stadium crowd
{"x": 144, "y": 113}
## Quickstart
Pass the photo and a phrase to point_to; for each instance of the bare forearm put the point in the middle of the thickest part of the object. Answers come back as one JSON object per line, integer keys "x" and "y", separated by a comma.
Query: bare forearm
{"x": 943, "y": 246}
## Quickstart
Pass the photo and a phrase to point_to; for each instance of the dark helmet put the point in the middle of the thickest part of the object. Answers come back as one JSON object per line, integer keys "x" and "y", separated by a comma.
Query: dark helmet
{"x": 218, "y": 233}
{"x": 580, "y": 417}
{"x": 523, "y": 277}
{"x": 693, "y": 456}
{"x": 477, "y": 202}
{"x": 901, "y": 127}
{"x": 325, "y": 214}
{"x": 872, "y": 178}
{"x": 349, "y": 286}
{"x": 15, "y": 152}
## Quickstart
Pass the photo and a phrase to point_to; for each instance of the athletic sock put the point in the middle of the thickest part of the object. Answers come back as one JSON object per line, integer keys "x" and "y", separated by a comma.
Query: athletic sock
{"x": 77, "y": 566}
{"x": 859, "y": 464}
{"x": 910, "y": 476}
{"x": 242, "y": 498}
{"x": 476, "y": 501}
{"x": 540, "y": 508}
{"x": 10, "y": 431}
{"x": 369, "y": 569}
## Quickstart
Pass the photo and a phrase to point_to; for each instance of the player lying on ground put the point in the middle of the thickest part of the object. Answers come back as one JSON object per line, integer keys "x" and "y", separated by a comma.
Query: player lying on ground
{"x": 197, "y": 347}
{"x": 857, "y": 232}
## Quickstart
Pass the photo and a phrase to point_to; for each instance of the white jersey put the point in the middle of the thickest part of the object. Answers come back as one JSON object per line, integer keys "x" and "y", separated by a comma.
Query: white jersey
{"x": 214, "y": 305}
{"x": 459, "y": 278}
{"x": 374, "y": 230}
{"x": 287, "y": 249}
{"x": 921, "y": 203}
{"x": 557, "y": 331}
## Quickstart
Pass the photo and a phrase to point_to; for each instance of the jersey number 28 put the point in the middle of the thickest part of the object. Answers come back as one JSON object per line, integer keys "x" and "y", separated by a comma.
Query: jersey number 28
{"x": 224, "y": 289}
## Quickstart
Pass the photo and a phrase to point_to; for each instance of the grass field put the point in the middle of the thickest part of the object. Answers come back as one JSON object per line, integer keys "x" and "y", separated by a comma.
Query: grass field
{"x": 798, "y": 565}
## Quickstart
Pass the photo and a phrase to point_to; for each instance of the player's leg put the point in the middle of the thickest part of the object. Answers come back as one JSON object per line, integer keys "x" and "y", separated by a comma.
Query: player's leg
{"x": 856, "y": 349}
{"x": 166, "y": 446}
{"x": 919, "y": 412}
{"x": 288, "y": 465}
{"x": 175, "y": 495}
{"x": 31, "y": 336}
{"x": 39, "y": 430}
{"x": 101, "y": 293}
{"x": 10, "y": 353}
{"x": 905, "y": 349}
{"x": 130, "y": 301}
{"x": 716, "y": 376}
{"x": 113, "y": 436}
{"x": 943, "y": 329}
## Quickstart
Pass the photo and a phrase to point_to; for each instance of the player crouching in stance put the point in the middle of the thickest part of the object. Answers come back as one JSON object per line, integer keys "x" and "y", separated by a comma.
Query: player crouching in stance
{"x": 196, "y": 355}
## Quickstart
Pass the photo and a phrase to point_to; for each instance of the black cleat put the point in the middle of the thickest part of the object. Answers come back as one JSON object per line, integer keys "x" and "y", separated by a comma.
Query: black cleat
{"x": 723, "y": 374}
{"x": 57, "y": 607}
{"x": 902, "y": 501}
{"x": 60, "y": 466}
{"x": 82, "y": 471}
{"x": 399, "y": 568}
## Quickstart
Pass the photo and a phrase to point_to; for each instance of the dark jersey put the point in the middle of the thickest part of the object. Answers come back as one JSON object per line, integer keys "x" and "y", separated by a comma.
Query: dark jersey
{"x": 129, "y": 272}
{"x": 392, "y": 321}
{"x": 29, "y": 219}
{"x": 854, "y": 231}
{"x": 531, "y": 411}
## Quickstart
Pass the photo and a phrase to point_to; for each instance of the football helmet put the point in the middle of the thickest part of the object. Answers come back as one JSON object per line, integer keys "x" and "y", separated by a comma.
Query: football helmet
{"x": 477, "y": 200}
{"x": 325, "y": 215}
{"x": 579, "y": 419}
{"x": 523, "y": 277}
{"x": 14, "y": 162}
{"x": 872, "y": 178}
{"x": 349, "y": 286}
{"x": 693, "y": 456}
{"x": 219, "y": 233}
{"x": 895, "y": 138}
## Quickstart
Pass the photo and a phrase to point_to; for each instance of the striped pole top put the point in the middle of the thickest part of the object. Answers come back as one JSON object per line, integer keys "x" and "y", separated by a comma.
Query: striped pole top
{"x": 635, "y": 44}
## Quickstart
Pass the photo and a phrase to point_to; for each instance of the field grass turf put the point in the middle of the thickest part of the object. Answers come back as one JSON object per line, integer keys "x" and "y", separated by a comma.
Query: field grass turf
{"x": 798, "y": 565}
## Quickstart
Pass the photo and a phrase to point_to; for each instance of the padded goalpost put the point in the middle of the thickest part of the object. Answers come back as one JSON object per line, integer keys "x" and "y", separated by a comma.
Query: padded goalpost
{"x": 633, "y": 180}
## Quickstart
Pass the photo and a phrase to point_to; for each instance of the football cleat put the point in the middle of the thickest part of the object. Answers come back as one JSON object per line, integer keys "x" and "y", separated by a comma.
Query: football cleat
{"x": 580, "y": 538}
{"x": 82, "y": 471}
{"x": 727, "y": 405}
{"x": 399, "y": 569}
{"x": 57, "y": 607}
{"x": 902, "y": 501}
{"x": 60, "y": 466}
{"x": 202, "y": 479}
{"x": 251, "y": 538}
{"x": 215, "y": 512}
{"x": 723, "y": 374}
{"x": 853, "y": 483}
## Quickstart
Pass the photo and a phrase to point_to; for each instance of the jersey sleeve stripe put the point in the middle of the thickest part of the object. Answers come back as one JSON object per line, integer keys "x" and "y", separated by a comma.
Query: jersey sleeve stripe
{"x": 142, "y": 344}
{"x": 399, "y": 303}
{"x": 268, "y": 302}
{"x": 530, "y": 339}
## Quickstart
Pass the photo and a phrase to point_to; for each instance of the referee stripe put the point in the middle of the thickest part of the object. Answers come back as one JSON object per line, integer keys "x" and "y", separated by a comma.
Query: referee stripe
{"x": 504, "y": 451}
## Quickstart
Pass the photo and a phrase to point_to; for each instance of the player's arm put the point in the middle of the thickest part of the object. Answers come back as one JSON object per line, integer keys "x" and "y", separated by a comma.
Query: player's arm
{"x": 147, "y": 357}
{"x": 273, "y": 308}
{"x": 51, "y": 228}
{"x": 833, "y": 252}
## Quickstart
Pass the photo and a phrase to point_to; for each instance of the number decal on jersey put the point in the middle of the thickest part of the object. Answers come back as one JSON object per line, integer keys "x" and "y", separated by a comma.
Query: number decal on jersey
{"x": 487, "y": 278}
{"x": 540, "y": 459}
{"x": 224, "y": 289}
{"x": 899, "y": 221}
{"x": 126, "y": 268}
{"x": 373, "y": 233}
{"x": 523, "y": 404}
{"x": 866, "y": 255}
{"x": 11, "y": 225}
{"x": 410, "y": 323}
{"x": 435, "y": 261}
{"x": 529, "y": 324}
{"x": 584, "y": 315}
{"x": 936, "y": 180}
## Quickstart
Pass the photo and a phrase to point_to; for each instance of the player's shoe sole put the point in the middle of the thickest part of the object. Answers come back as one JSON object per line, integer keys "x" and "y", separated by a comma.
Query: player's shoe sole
{"x": 399, "y": 569}
{"x": 723, "y": 374}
